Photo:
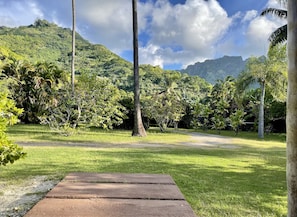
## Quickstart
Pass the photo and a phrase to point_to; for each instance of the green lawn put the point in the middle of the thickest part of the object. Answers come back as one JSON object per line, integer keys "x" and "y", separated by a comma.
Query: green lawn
{"x": 245, "y": 181}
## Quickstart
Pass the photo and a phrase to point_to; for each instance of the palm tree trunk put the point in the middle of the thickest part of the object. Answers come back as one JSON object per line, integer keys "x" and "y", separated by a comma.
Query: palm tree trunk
{"x": 261, "y": 112}
{"x": 73, "y": 46}
{"x": 138, "y": 129}
{"x": 292, "y": 109}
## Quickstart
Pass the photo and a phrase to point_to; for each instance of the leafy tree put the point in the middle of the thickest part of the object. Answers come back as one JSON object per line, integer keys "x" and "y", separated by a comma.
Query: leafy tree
{"x": 213, "y": 111}
{"x": 165, "y": 108}
{"x": 165, "y": 104}
{"x": 102, "y": 107}
{"x": 292, "y": 110}
{"x": 222, "y": 102}
{"x": 219, "y": 122}
{"x": 237, "y": 119}
{"x": 138, "y": 129}
{"x": 202, "y": 113}
{"x": 9, "y": 152}
{"x": 95, "y": 103}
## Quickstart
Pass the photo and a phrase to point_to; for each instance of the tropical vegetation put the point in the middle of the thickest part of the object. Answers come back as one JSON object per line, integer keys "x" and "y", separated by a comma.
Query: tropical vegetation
{"x": 41, "y": 85}
{"x": 9, "y": 152}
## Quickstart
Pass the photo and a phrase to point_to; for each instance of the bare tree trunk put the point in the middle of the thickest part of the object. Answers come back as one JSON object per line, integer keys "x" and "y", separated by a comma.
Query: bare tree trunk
{"x": 261, "y": 112}
{"x": 73, "y": 46}
{"x": 138, "y": 129}
{"x": 292, "y": 109}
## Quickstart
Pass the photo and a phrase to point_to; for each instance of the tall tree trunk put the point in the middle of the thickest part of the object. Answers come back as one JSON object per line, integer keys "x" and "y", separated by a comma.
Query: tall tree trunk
{"x": 138, "y": 129}
{"x": 292, "y": 109}
{"x": 261, "y": 112}
{"x": 73, "y": 46}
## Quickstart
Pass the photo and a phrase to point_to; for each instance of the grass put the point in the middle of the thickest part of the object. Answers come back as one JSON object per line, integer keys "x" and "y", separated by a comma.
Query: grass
{"x": 246, "y": 181}
{"x": 38, "y": 133}
{"x": 276, "y": 137}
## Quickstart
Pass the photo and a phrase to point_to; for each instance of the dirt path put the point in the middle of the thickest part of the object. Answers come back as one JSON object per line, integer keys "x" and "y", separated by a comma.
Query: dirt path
{"x": 202, "y": 140}
{"x": 16, "y": 200}
{"x": 197, "y": 140}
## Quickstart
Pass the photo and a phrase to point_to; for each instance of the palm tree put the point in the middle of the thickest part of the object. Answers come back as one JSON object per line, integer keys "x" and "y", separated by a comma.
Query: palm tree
{"x": 280, "y": 34}
{"x": 138, "y": 129}
{"x": 292, "y": 109}
{"x": 73, "y": 46}
{"x": 268, "y": 73}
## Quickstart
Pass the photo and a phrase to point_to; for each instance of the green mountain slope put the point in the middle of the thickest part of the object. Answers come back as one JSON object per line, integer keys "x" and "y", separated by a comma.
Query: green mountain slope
{"x": 217, "y": 69}
{"x": 44, "y": 41}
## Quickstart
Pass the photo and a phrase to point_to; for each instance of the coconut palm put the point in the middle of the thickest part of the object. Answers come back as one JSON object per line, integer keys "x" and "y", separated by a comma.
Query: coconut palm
{"x": 292, "y": 109}
{"x": 280, "y": 34}
{"x": 138, "y": 129}
{"x": 73, "y": 45}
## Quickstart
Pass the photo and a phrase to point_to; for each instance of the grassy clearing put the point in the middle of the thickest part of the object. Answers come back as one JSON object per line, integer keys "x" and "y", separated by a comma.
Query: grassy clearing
{"x": 37, "y": 133}
{"x": 248, "y": 181}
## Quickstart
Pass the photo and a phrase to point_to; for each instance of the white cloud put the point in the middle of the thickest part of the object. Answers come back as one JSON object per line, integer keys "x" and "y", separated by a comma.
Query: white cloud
{"x": 276, "y": 4}
{"x": 251, "y": 37}
{"x": 109, "y": 22}
{"x": 151, "y": 55}
{"x": 250, "y": 15}
{"x": 15, "y": 13}
{"x": 193, "y": 27}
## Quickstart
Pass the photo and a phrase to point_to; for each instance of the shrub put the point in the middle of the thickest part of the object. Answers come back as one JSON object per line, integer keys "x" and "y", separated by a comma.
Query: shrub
{"x": 9, "y": 152}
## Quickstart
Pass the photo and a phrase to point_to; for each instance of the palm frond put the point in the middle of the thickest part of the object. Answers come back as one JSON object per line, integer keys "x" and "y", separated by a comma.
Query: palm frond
{"x": 278, "y": 36}
{"x": 274, "y": 11}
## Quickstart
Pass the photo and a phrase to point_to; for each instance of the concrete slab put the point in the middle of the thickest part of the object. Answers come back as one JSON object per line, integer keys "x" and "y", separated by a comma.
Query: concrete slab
{"x": 110, "y": 208}
{"x": 120, "y": 178}
{"x": 115, "y": 190}
{"x": 113, "y": 195}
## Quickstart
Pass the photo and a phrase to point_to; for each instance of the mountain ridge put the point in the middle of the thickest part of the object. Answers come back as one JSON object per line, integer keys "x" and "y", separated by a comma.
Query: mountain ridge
{"x": 217, "y": 69}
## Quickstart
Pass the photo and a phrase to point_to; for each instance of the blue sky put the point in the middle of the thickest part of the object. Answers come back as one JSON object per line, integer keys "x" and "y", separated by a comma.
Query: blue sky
{"x": 172, "y": 33}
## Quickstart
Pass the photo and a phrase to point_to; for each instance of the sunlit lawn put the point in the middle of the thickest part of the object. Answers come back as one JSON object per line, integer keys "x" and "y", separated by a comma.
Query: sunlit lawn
{"x": 37, "y": 133}
{"x": 245, "y": 181}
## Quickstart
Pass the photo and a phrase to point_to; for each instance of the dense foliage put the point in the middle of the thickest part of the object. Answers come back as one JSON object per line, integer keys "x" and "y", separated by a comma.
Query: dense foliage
{"x": 9, "y": 152}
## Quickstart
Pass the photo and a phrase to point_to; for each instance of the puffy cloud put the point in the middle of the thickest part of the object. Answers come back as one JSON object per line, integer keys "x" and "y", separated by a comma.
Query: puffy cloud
{"x": 193, "y": 27}
{"x": 107, "y": 22}
{"x": 250, "y": 38}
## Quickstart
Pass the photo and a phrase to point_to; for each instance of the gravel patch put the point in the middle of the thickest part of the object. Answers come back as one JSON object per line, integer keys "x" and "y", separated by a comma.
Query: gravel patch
{"x": 17, "y": 199}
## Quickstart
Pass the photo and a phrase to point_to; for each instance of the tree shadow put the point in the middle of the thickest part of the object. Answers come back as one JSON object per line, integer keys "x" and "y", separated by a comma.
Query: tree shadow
{"x": 219, "y": 179}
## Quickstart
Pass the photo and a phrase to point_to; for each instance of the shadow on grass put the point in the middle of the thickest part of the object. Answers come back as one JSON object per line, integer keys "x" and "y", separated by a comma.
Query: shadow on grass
{"x": 220, "y": 182}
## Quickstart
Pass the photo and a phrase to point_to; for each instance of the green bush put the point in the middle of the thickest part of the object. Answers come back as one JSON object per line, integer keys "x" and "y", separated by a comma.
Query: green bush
{"x": 9, "y": 152}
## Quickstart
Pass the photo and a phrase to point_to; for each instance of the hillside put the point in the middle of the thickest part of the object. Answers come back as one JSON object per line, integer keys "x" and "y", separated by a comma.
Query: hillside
{"x": 217, "y": 69}
{"x": 44, "y": 41}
